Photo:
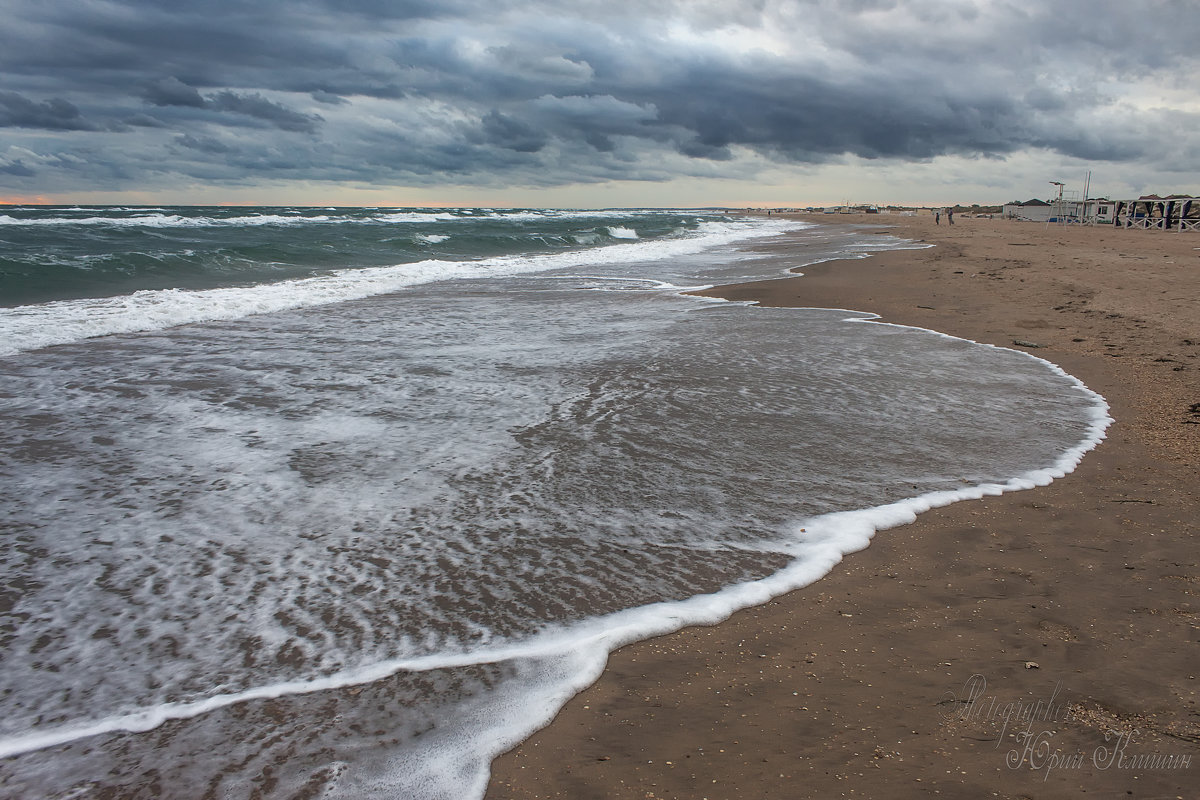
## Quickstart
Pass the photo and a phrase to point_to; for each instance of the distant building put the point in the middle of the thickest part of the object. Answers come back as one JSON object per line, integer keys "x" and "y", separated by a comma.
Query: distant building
{"x": 1028, "y": 211}
{"x": 1102, "y": 211}
{"x": 1096, "y": 211}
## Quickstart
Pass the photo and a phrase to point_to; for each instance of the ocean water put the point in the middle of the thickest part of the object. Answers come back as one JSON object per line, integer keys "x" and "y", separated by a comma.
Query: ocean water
{"x": 346, "y": 502}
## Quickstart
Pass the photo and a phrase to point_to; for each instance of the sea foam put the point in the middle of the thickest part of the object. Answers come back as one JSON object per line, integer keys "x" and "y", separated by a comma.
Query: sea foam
{"x": 574, "y": 655}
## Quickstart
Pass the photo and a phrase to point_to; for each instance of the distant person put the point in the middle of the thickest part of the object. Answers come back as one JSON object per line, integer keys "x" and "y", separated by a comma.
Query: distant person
{"x": 950, "y": 216}
{"x": 937, "y": 217}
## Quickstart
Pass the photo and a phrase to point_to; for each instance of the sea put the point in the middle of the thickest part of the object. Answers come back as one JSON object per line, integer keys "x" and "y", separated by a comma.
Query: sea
{"x": 345, "y": 502}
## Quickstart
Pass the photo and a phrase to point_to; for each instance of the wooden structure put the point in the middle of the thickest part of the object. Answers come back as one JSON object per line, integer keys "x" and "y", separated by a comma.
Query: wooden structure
{"x": 1177, "y": 212}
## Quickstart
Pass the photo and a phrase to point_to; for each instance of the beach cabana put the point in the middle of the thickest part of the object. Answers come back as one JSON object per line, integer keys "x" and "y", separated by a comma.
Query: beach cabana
{"x": 1177, "y": 212}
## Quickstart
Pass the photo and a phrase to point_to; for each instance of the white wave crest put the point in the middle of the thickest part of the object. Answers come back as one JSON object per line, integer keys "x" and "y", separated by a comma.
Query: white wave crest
{"x": 415, "y": 216}
{"x": 290, "y": 218}
{"x": 167, "y": 221}
{"x": 26, "y": 328}
{"x": 622, "y": 233}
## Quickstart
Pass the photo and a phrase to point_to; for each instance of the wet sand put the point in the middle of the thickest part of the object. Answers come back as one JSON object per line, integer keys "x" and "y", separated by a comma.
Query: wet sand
{"x": 1039, "y": 644}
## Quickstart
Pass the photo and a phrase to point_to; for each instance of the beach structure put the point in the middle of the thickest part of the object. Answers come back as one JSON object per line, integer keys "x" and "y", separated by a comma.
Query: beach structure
{"x": 1175, "y": 212}
{"x": 1103, "y": 211}
{"x": 1028, "y": 211}
{"x": 1152, "y": 212}
{"x": 1093, "y": 211}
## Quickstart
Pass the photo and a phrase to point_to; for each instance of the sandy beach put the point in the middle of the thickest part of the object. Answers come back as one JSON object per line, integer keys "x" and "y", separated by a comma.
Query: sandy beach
{"x": 1038, "y": 644}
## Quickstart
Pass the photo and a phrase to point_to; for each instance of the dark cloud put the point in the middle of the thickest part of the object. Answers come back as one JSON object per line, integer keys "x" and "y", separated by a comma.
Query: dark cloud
{"x": 18, "y": 169}
{"x": 205, "y": 144}
{"x": 173, "y": 92}
{"x": 54, "y": 114}
{"x": 541, "y": 93}
{"x": 329, "y": 98}
{"x": 255, "y": 105}
{"x": 512, "y": 134}
{"x": 143, "y": 121}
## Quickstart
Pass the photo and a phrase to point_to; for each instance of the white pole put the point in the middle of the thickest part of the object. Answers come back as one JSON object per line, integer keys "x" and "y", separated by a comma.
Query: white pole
{"x": 1087, "y": 182}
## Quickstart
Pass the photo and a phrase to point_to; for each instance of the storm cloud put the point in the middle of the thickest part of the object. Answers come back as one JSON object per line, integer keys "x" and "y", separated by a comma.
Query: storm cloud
{"x": 53, "y": 114}
{"x": 142, "y": 93}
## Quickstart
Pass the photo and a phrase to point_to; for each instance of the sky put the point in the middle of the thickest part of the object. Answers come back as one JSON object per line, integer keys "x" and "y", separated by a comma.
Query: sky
{"x": 590, "y": 103}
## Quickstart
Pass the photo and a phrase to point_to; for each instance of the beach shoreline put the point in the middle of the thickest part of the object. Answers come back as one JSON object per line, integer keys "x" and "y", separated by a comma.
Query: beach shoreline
{"x": 992, "y": 647}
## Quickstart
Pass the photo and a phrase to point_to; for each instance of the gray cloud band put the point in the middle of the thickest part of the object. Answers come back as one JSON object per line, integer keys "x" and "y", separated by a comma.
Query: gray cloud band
{"x": 415, "y": 92}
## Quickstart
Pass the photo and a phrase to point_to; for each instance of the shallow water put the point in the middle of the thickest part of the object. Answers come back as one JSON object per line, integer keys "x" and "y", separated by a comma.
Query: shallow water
{"x": 357, "y": 548}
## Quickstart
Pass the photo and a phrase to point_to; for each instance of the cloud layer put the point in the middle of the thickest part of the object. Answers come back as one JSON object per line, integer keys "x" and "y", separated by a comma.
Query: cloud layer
{"x": 145, "y": 93}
